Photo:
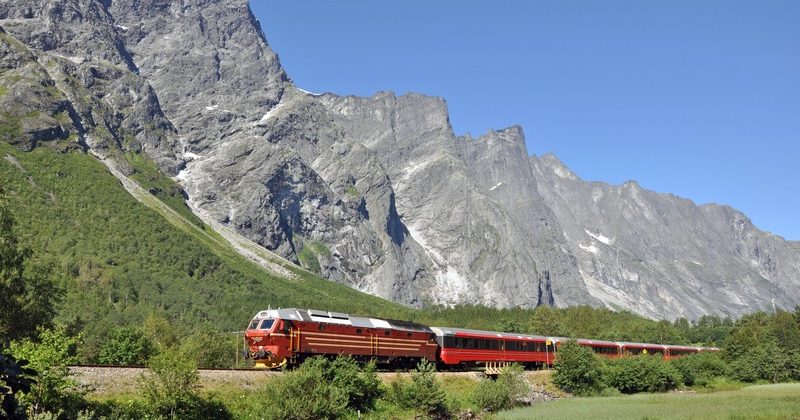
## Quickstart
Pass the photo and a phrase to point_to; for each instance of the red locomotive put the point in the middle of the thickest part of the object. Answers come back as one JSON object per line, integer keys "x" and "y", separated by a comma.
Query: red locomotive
{"x": 280, "y": 336}
{"x": 277, "y": 337}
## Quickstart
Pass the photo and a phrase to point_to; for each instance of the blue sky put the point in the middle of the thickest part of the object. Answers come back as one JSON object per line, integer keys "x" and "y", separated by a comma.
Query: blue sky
{"x": 696, "y": 98}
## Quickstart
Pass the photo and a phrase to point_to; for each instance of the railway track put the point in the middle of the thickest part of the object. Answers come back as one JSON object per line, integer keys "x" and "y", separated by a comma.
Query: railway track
{"x": 79, "y": 367}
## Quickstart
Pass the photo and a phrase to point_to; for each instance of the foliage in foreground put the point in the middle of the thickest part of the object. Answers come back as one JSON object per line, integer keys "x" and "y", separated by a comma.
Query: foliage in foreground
{"x": 15, "y": 379}
{"x": 320, "y": 389}
{"x": 701, "y": 369}
{"x": 502, "y": 393}
{"x": 49, "y": 353}
{"x": 578, "y": 370}
{"x": 642, "y": 373}
{"x": 423, "y": 394}
{"x": 171, "y": 390}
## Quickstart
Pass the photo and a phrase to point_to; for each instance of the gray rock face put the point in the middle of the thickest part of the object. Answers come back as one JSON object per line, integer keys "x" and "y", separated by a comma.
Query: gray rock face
{"x": 662, "y": 255}
{"x": 377, "y": 193}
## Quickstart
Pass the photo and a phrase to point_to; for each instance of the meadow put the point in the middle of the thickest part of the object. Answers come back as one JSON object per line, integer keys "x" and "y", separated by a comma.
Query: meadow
{"x": 773, "y": 401}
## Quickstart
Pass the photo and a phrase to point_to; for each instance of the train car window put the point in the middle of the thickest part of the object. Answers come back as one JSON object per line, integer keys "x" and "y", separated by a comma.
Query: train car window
{"x": 359, "y": 331}
{"x": 321, "y": 327}
{"x": 408, "y": 334}
{"x": 267, "y": 324}
{"x": 253, "y": 325}
{"x": 387, "y": 333}
{"x": 451, "y": 342}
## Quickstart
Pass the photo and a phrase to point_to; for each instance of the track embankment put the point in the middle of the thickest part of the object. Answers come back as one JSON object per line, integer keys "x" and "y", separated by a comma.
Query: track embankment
{"x": 124, "y": 379}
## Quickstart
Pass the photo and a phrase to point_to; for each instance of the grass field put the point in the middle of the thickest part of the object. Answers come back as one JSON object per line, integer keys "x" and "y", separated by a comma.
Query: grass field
{"x": 779, "y": 401}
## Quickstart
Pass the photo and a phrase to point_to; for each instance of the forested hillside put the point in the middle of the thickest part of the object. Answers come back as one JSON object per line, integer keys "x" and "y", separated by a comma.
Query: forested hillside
{"x": 117, "y": 260}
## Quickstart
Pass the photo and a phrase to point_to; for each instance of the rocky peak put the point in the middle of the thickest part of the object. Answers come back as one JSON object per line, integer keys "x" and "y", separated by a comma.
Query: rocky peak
{"x": 377, "y": 192}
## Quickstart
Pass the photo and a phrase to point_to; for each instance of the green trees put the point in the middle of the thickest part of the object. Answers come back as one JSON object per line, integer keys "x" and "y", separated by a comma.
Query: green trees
{"x": 27, "y": 295}
{"x": 55, "y": 391}
{"x": 15, "y": 378}
{"x": 210, "y": 348}
{"x": 765, "y": 347}
{"x": 578, "y": 370}
{"x": 125, "y": 346}
{"x": 700, "y": 369}
{"x": 643, "y": 373}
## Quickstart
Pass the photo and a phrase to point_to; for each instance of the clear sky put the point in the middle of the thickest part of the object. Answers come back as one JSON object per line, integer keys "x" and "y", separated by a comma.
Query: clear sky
{"x": 696, "y": 98}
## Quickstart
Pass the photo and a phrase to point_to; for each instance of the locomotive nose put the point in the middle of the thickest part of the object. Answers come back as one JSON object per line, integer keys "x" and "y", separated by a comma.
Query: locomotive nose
{"x": 262, "y": 354}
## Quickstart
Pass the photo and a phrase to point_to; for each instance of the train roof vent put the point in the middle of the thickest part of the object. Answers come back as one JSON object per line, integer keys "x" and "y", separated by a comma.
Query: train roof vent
{"x": 314, "y": 312}
{"x": 339, "y": 315}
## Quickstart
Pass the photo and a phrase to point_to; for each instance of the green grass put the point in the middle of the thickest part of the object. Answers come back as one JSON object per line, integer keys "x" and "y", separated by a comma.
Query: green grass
{"x": 309, "y": 255}
{"x": 779, "y": 401}
{"x": 352, "y": 191}
{"x": 10, "y": 129}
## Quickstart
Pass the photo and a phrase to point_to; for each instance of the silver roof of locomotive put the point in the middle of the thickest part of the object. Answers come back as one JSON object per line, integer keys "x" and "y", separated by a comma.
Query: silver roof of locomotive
{"x": 313, "y": 315}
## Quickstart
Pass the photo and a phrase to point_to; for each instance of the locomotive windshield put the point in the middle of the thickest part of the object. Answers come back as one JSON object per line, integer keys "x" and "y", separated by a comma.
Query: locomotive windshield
{"x": 267, "y": 324}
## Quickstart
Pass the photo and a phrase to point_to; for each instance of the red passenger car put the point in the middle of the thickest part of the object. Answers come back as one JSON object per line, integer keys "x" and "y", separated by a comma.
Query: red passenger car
{"x": 462, "y": 347}
{"x": 280, "y": 336}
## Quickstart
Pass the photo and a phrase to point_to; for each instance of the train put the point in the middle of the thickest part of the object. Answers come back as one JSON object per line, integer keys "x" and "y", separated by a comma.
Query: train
{"x": 280, "y": 337}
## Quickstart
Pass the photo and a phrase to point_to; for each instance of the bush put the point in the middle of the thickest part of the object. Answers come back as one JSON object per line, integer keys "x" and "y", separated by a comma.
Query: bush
{"x": 643, "y": 373}
{"x": 55, "y": 390}
{"x": 322, "y": 389}
{"x": 171, "y": 390}
{"x": 15, "y": 379}
{"x": 303, "y": 394}
{"x": 766, "y": 362}
{"x": 423, "y": 393}
{"x": 211, "y": 349}
{"x": 700, "y": 369}
{"x": 502, "y": 393}
{"x": 578, "y": 370}
{"x": 125, "y": 346}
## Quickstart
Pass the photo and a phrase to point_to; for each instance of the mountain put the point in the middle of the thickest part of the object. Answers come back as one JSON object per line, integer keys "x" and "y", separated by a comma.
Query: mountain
{"x": 375, "y": 193}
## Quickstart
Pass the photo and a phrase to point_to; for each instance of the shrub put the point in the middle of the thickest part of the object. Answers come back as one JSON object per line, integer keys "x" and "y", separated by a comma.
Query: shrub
{"x": 55, "y": 390}
{"x": 700, "y": 369}
{"x": 578, "y": 370}
{"x": 423, "y": 393}
{"x": 171, "y": 389}
{"x": 303, "y": 394}
{"x": 643, "y": 373}
{"x": 125, "y": 346}
{"x": 502, "y": 393}
{"x": 15, "y": 379}
{"x": 160, "y": 332}
{"x": 210, "y": 349}
{"x": 322, "y": 389}
{"x": 766, "y": 361}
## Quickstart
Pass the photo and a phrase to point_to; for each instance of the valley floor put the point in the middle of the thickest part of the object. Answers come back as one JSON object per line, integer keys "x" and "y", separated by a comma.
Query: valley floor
{"x": 777, "y": 401}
